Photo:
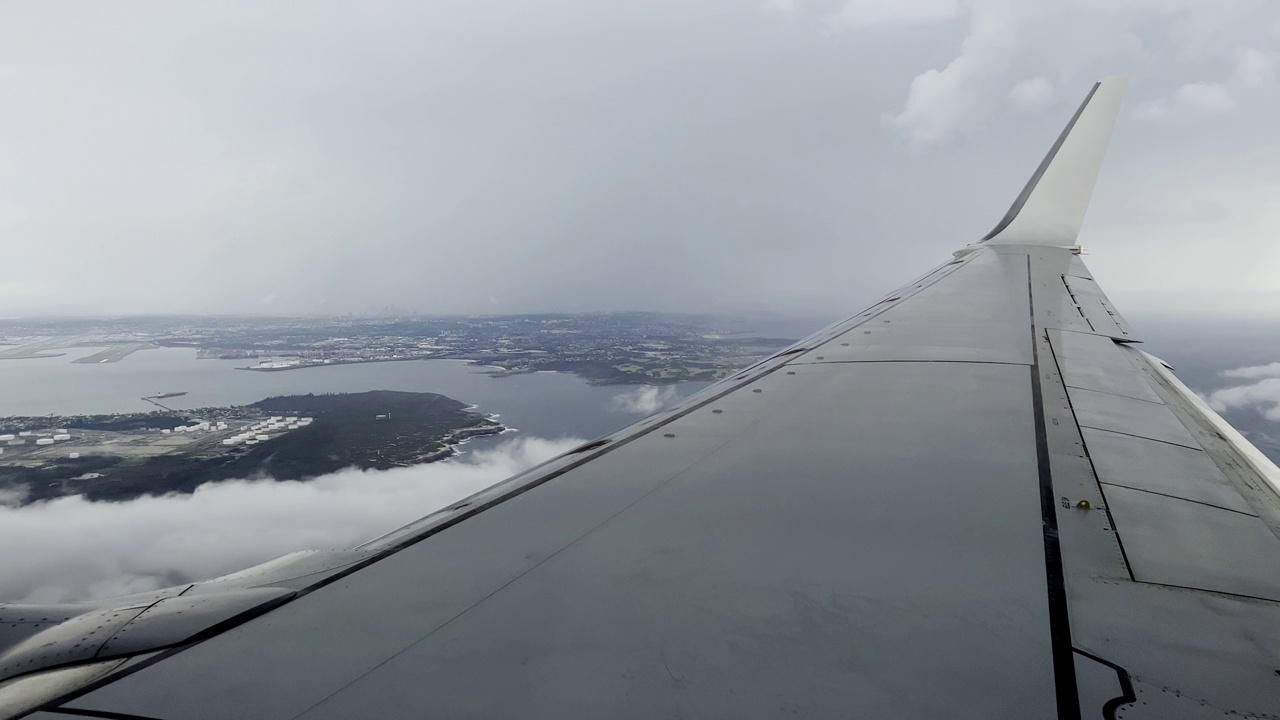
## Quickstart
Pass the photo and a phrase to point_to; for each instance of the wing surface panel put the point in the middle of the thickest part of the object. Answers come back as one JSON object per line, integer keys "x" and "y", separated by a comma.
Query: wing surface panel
{"x": 1096, "y": 308}
{"x": 1162, "y": 468}
{"x": 734, "y": 593}
{"x": 1125, "y": 550}
{"x": 979, "y": 315}
{"x": 1095, "y": 363}
{"x": 1129, "y": 416}
{"x": 1172, "y": 541}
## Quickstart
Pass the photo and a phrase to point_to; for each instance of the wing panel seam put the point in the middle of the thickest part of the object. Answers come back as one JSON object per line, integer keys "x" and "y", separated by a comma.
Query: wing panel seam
{"x": 1175, "y": 497}
{"x": 1061, "y": 646}
{"x": 1093, "y": 468}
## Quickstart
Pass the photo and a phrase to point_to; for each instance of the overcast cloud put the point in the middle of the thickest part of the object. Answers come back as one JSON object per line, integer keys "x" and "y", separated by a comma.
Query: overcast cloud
{"x": 519, "y": 155}
{"x": 105, "y": 549}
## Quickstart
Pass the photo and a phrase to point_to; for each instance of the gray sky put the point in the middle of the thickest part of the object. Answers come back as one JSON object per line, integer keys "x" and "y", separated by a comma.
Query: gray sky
{"x": 511, "y": 155}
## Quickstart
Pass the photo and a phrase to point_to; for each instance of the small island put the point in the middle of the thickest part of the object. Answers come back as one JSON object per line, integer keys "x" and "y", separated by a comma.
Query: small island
{"x": 296, "y": 437}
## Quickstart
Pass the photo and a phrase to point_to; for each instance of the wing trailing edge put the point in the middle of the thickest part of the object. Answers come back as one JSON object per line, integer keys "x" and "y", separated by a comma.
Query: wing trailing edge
{"x": 1051, "y": 208}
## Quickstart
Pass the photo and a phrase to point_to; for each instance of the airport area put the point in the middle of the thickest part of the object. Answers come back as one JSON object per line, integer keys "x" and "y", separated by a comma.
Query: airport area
{"x": 196, "y": 438}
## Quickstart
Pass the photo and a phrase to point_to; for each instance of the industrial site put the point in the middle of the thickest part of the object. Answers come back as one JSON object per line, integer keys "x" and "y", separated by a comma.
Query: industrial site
{"x": 36, "y": 447}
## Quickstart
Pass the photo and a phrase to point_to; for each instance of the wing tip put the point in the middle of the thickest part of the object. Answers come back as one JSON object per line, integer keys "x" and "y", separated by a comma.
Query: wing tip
{"x": 1051, "y": 207}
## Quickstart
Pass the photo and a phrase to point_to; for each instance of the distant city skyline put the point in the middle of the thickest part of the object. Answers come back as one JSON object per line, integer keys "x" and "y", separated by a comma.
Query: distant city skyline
{"x": 789, "y": 156}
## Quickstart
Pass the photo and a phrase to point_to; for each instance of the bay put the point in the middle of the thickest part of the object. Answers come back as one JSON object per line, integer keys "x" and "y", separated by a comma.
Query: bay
{"x": 545, "y": 404}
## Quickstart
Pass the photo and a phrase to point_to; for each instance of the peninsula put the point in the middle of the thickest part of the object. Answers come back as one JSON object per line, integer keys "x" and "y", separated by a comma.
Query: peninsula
{"x": 297, "y": 437}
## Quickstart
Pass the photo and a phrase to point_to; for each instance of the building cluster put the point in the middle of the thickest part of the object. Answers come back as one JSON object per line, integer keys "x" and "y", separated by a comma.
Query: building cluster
{"x": 44, "y": 438}
{"x": 266, "y": 429}
{"x": 198, "y": 427}
{"x": 605, "y": 347}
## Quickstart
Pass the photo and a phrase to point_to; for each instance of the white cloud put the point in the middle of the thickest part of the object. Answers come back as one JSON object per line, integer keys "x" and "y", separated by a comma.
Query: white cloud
{"x": 1032, "y": 95}
{"x": 887, "y": 13}
{"x": 70, "y": 549}
{"x": 1172, "y": 41}
{"x": 644, "y": 400}
{"x": 1209, "y": 97}
{"x": 1263, "y": 396}
{"x": 1254, "y": 372}
{"x": 1254, "y": 68}
{"x": 943, "y": 103}
{"x": 1189, "y": 100}
{"x": 1253, "y": 72}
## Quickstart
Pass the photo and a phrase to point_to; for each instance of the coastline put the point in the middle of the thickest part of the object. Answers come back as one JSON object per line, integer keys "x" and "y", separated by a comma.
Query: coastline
{"x": 456, "y": 438}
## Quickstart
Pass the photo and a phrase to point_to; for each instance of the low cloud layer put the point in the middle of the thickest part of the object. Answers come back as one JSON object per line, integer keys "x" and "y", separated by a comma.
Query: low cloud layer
{"x": 72, "y": 549}
{"x": 1262, "y": 395}
{"x": 644, "y": 400}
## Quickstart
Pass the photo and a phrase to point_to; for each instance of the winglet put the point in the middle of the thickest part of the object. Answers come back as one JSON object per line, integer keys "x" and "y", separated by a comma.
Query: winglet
{"x": 1050, "y": 209}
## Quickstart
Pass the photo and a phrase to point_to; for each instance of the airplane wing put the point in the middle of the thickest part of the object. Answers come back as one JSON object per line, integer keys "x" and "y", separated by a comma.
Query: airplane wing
{"x": 978, "y": 498}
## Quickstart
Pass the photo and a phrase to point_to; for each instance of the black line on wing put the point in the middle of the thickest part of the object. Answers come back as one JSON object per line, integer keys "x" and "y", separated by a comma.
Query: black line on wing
{"x": 1174, "y": 497}
{"x": 1133, "y": 435}
{"x": 1206, "y": 591}
{"x": 1064, "y": 665}
{"x": 99, "y": 714}
{"x": 1126, "y": 685}
{"x": 1106, "y": 392}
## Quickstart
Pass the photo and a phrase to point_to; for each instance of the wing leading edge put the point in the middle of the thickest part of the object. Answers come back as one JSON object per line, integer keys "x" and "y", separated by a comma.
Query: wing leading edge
{"x": 974, "y": 499}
